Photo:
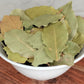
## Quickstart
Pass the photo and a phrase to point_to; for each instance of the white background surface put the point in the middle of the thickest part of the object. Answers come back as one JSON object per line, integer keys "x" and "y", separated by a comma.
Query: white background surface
{"x": 7, "y": 5}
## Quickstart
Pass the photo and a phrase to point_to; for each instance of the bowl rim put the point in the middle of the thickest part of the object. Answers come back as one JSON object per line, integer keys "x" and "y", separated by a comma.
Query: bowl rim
{"x": 39, "y": 68}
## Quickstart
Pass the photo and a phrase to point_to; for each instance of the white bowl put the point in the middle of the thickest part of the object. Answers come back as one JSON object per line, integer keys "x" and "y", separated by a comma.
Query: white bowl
{"x": 40, "y": 73}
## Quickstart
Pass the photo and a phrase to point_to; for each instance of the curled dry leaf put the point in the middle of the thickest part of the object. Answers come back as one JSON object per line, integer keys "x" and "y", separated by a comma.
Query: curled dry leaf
{"x": 38, "y": 11}
{"x": 71, "y": 18}
{"x": 44, "y": 20}
{"x": 17, "y": 42}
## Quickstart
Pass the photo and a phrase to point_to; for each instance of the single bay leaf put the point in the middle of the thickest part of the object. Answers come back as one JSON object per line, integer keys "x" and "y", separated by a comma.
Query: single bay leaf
{"x": 14, "y": 56}
{"x": 65, "y": 60}
{"x": 55, "y": 37}
{"x": 41, "y": 58}
{"x": 79, "y": 38}
{"x": 72, "y": 48}
{"x": 10, "y": 22}
{"x": 44, "y": 20}
{"x": 17, "y": 42}
{"x": 19, "y": 12}
{"x": 41, "y": 10}
{"x": 71, "y": 18}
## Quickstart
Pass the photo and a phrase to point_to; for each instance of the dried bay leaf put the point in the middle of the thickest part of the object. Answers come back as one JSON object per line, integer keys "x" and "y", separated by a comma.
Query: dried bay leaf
{"x": 10, "y": 22}
{"x": 44, "y": 44}
{"x": 14, "y": 56}
{"x": 79, "y": 39}
{"x": 55, "y": 37}
{"x": 71, "y": 18}
{"x": 33, "y": 13}
{"x": 17, "y": 42}
{"x": 41, "y": 58}
{"x": 72, "y": 48}
{"x": 44, "y": 20}
{"x": 41, "y": 10}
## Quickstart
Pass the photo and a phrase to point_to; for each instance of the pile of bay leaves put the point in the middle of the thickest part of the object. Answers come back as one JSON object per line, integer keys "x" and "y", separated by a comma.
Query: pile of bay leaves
{"x": 42, "y": 35}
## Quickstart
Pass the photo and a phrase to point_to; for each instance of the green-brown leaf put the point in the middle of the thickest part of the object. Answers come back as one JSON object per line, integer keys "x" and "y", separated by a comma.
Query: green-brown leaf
{"x": 14, "y": 56}
{"x": 44, "y": 20}
{"x": 71, "y": 18}
{"x": 17, "y": 42}
{"x": 38, "y": 11}
{"x": 55, "y": 37}
{"x": 41, "y": 58}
